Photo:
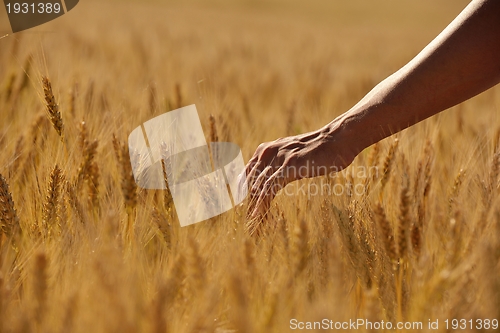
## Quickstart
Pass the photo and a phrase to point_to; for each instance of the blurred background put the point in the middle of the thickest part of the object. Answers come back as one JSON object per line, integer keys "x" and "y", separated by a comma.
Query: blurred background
{"x": 83, "y": 250}
{"x": 316, "y": 58}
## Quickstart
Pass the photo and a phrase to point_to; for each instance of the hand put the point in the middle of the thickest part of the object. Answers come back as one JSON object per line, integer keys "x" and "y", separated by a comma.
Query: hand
{"x": 277, "y": 163}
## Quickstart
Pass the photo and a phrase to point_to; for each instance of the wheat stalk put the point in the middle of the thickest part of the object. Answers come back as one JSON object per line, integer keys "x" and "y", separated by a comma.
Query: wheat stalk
{"x": 40, "y": 287}
{"x": 240, "y": 299}
{"x": 404, "y": 217}
{"x": 351, "y": 240}
{"x": 72, "y": 99}
{"x": 178, "y": 95}
{"x": 167, "y": 294}
{"x": 494, "y": 171}
{"x": 89, "y": 170}
{"x": 9, "y": 86}
{"x": 300, "y": 248}
{"x": 403, "y": 231}
{"x": 69, "y": 315}
{"x": 428, "y": 153}
{"x": 26, "y": 74}
{"x": 455, "y": 190}
{"x": 128, "y": 186}
{"x": 386, "y": 232}
{"x": 168, "y": 200}
{"x": 39, "y": 125}
{"x": 53, "y": 108}
{"x": 388, "y": 163}
{"x": 82, "y": 136}
{"x": 93, "y": 185}
{"x": 163, "y": 225}
{"x": 88, "y": 163}
{"x": 249, "y": 249}
{"x": 374, "y": 155}
{"x": 214, "y": 137}
{"x": 89, "y": 96}
{"x": 195, "y": 266}
{"x": 52, "y": 202}
{"x": 416, "y": 239}
{"x": 73, "y": 201}
{"x": 117, "y": 148}
{"x": 9, "y": 221}
{"x": 16, "y": 159}
{"x": 153, "y": 99}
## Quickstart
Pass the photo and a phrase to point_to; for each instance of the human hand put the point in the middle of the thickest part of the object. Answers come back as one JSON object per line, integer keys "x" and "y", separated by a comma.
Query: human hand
{"x": 277, "y": 163}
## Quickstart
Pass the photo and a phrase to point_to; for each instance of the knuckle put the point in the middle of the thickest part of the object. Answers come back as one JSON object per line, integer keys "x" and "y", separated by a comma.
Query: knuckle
{"x": 267, "y": 150}
{"x": 283, "y": 154}
{"x": 279, "y": 139}
{"x": 291, "y": 160}
{"x": 260, "y": 148}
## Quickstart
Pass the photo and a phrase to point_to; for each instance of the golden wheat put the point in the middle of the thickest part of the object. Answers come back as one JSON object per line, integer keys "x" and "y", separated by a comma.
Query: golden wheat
{"x": 386, "y": 232}
{"x": 51, "y": 220}
{"x": 386, "y": 170}
{"x": 80, "y": 239}
{"x": 40, "y": 287}
{"x": 53, "y": 108}
{"x": 9, "y": 220}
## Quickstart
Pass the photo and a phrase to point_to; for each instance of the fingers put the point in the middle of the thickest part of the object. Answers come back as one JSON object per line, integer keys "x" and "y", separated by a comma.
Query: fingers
{"x": 264, "y": 178}
{"x": 255, "y": 161}
{"x": 257, "y": 165}
{"x": 266, "y": 192}
{"x": 256, "y": 188}
{"x": 260, "y": 167}
{"x": 275, "y": 164}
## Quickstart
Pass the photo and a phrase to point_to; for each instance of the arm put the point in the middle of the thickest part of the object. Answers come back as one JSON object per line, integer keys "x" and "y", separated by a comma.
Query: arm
{"x": 461, "y": 62}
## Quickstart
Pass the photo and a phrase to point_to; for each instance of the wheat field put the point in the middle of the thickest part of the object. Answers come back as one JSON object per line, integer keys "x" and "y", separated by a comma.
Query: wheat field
{"x": 82, "y": 249}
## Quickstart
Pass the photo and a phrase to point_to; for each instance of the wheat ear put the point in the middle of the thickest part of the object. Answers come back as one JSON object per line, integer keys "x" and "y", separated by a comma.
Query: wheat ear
{"x": 388, "y": 163}
{"x": 386, "y": 232}
{"x": 52, "y": 108}
{"x": 52, "y": 201}
{"x": 9, "y": 221}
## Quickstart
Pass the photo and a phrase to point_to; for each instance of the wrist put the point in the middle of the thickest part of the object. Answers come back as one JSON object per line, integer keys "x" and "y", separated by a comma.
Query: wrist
{"x": 346, "y": 133}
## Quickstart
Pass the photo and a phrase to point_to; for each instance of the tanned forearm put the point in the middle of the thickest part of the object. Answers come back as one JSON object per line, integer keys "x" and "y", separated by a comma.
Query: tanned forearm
{"x": 463, "y": 61}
